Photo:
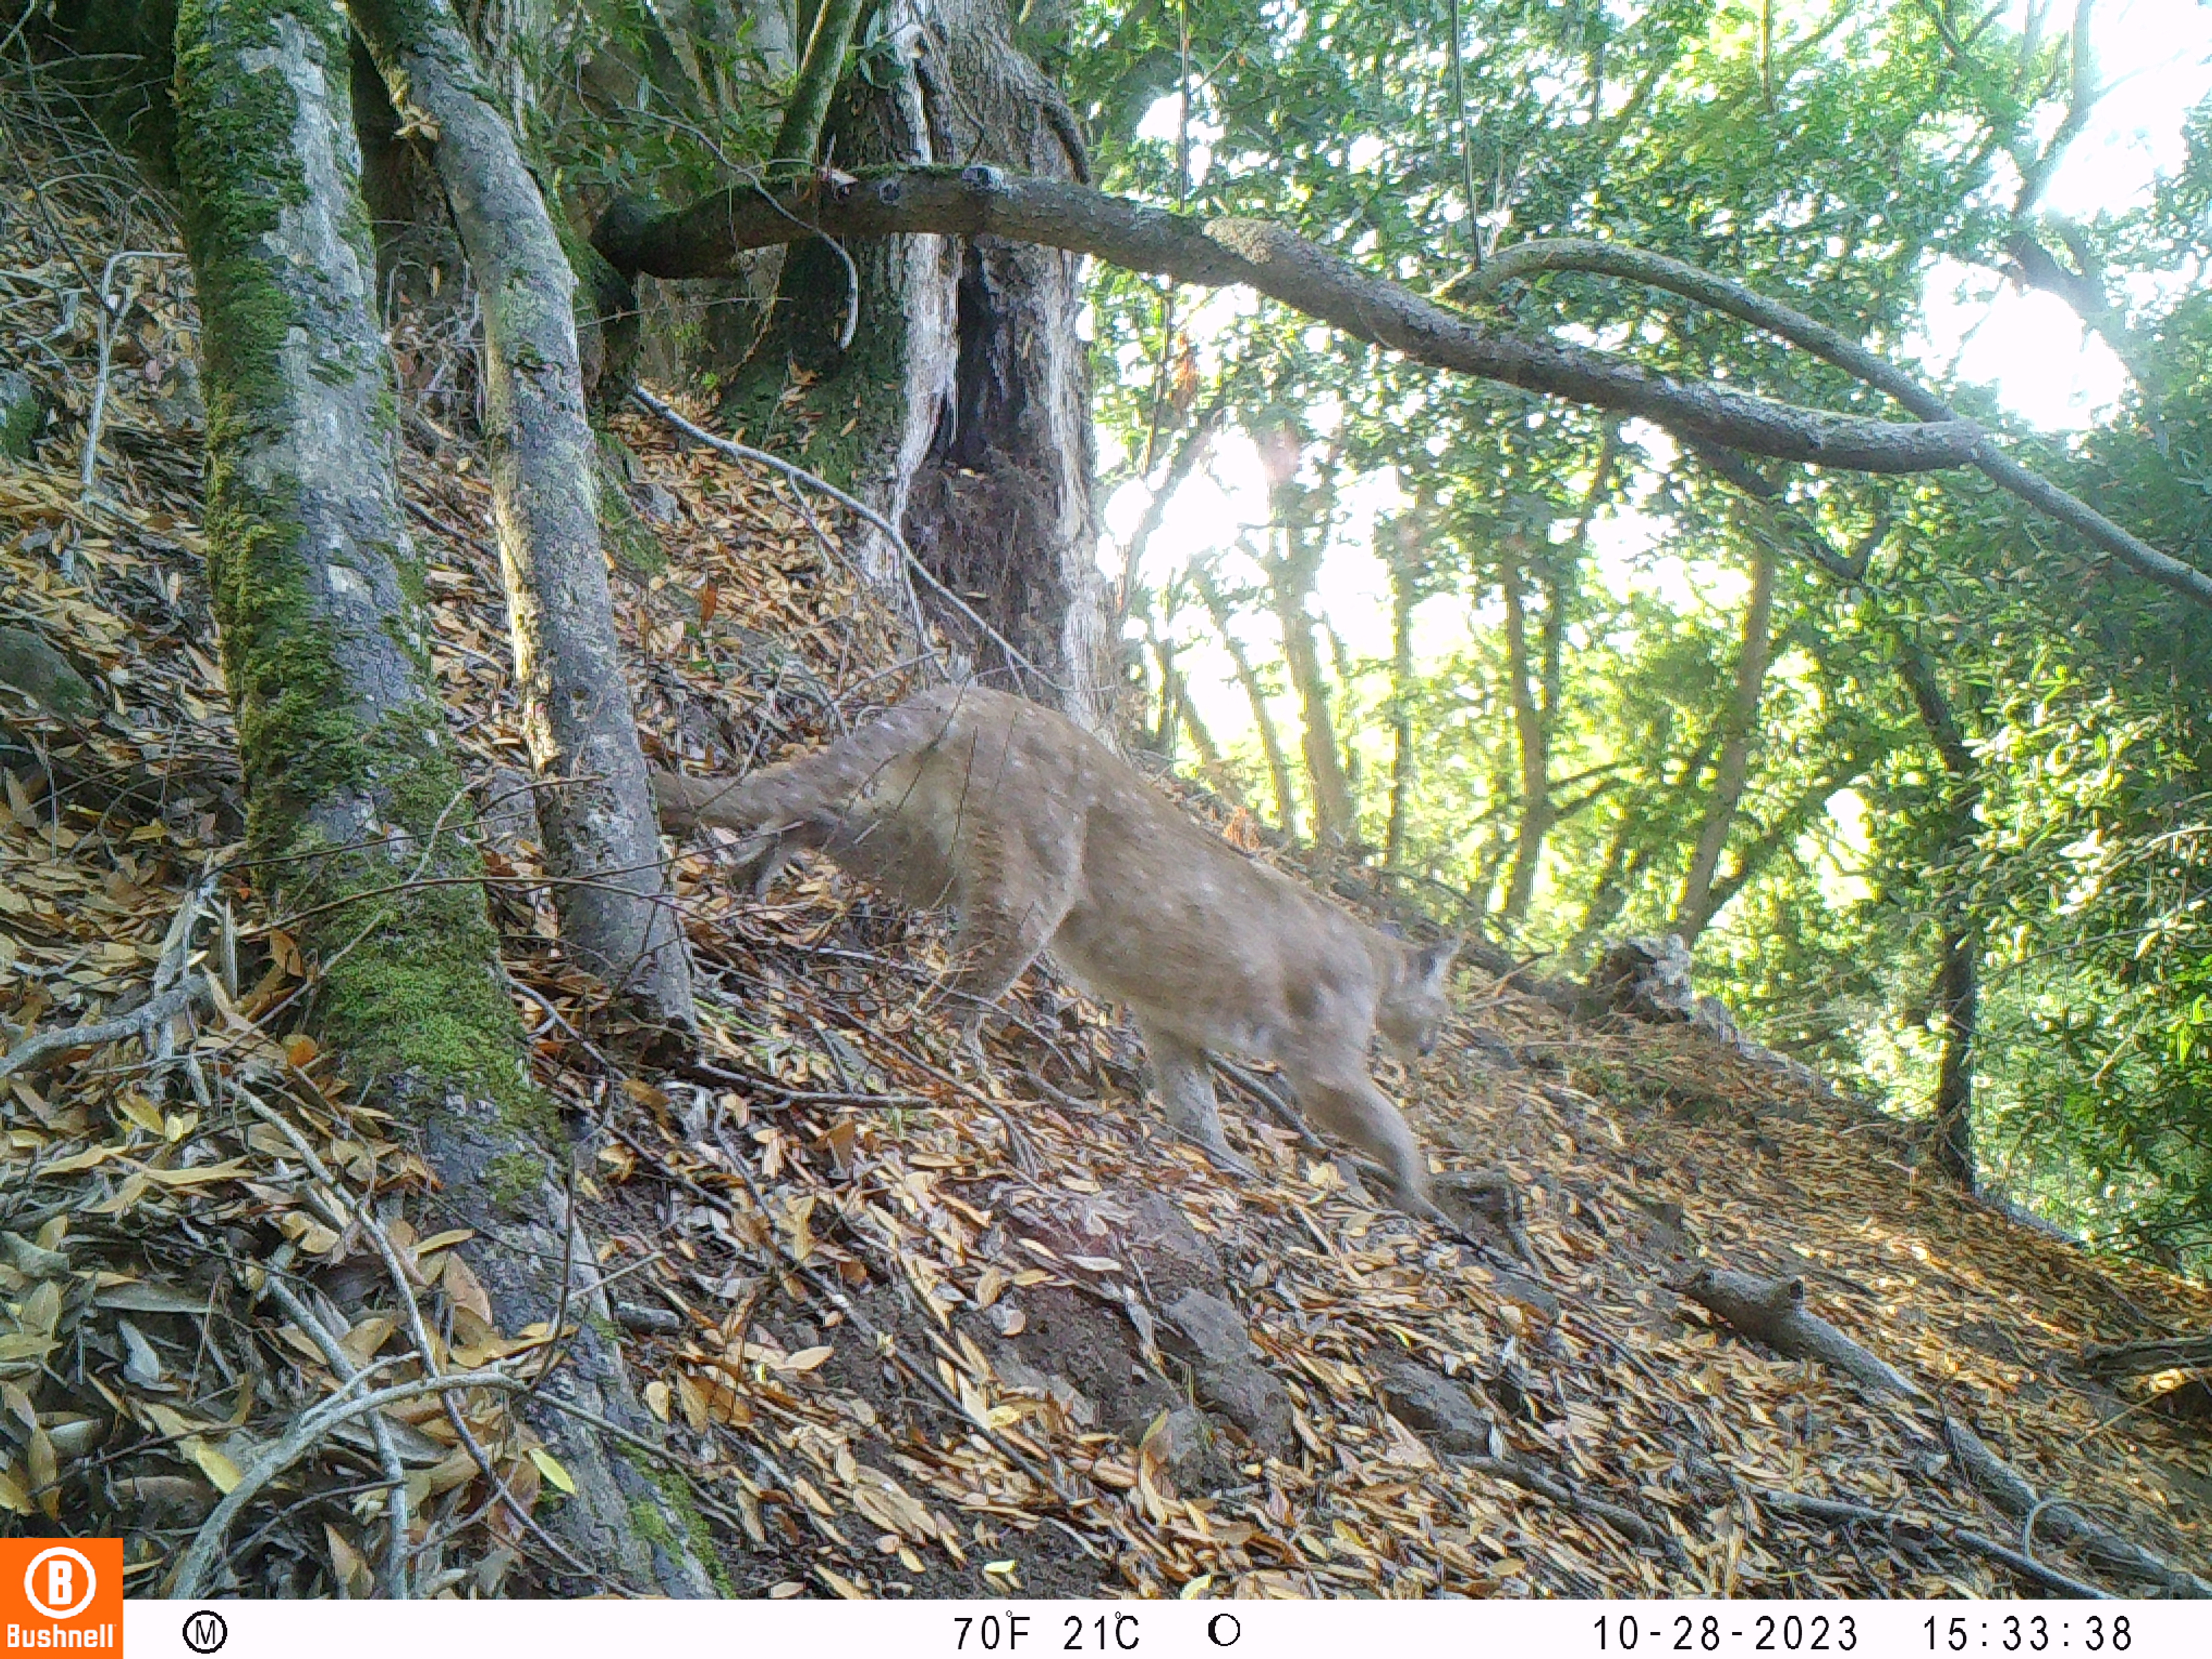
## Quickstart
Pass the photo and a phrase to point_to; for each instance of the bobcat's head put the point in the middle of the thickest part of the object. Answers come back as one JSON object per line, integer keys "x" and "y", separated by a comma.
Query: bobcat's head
{"x": 1414, "y": 1007}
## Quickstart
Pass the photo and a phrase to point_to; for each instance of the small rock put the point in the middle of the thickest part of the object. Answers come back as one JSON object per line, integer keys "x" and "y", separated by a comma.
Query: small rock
{"x": 178, "y": 404}
{"x": 1526, "y": 1294}
{"x": 1213, "y": 1331}
{"x": 657, "y": 504}
{"x": 31, "y": 667}
{"x": 1212, "y": 1335}
{"x": 1185, "y": 1444}
{"x": 1437, "y": 1408}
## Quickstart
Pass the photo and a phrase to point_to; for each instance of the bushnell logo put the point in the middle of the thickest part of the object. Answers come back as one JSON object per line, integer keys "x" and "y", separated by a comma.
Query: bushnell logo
{"x": 57, "y": 1594}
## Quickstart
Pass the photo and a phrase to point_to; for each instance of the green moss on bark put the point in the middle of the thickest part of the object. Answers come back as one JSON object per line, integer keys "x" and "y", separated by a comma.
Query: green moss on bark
{"x": 654, "y": 1526}
{"x": 355, "y": 809}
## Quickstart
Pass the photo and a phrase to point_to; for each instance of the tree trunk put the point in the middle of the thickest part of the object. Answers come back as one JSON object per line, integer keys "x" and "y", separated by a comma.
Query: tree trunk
{"x": 1271, "y": 745}
{"x": 1532, "y": 732}
{"x": 1536, "y": 695}
{"x": 1733, "y": 768}
{"x": 602, "y": 837}
{"x": 1405, "y": 594}
{"x": 1209, "y": 752}
{"x": 1958, "y": 992}
{"x": 355, "y": 805}
{"x": 960, "y": 409}
{"x": 1302, "y": 523}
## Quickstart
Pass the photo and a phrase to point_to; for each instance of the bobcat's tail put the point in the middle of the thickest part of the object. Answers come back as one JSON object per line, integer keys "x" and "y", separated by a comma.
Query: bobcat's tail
{"x": 827, "y": 781}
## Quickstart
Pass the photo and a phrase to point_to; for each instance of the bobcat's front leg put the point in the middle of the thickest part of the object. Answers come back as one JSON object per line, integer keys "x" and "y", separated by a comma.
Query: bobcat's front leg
{"x": 1353, "y": 1107}
{"x": 1185, "y": 1080}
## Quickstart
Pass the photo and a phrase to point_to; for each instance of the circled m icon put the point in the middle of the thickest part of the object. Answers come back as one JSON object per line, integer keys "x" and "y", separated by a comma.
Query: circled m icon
{"x": 205, "y": 1632}
{"x": 60, "y": 1583}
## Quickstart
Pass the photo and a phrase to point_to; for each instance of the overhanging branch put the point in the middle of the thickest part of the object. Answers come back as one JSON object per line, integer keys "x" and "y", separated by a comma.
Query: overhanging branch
{"x": 1527, "y": 260}
{"x": 705, "y": 238}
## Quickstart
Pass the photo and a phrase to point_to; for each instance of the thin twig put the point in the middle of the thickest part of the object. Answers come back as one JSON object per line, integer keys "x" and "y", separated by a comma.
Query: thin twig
{"x": 108, "y": 321}
{"x": 851, "y": 504}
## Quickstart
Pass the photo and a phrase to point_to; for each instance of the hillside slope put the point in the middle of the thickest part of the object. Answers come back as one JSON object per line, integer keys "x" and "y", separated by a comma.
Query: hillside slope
{"x": 920, "y": 1329}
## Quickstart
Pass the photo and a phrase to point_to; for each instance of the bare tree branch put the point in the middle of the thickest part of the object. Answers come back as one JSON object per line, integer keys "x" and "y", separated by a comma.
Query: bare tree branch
{"x": 1656, "y": 270}
{"x": 705, "y": 238}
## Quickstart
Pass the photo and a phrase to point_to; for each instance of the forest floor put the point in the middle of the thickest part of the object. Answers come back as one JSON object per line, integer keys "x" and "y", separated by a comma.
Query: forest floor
{"x": 916, "y": 1326}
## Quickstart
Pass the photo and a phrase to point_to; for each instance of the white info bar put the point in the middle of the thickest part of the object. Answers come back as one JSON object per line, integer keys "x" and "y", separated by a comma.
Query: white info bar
{"x": 1166, "y": 1630}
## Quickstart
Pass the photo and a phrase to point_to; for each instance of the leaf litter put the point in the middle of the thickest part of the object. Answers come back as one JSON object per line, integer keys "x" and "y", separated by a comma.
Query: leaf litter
{"x": 912, "y": 1327}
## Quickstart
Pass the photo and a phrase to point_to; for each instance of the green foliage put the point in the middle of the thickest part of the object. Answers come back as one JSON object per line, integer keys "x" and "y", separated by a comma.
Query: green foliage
{"x": 1830, "y": 169}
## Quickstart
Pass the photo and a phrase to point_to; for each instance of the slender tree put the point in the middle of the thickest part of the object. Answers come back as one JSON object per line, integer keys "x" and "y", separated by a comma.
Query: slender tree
{"x": 1957, "y": 996}
{"x": 1263, "y": 721}
{"x": 602, "y": 837}
{"x": 1738, "y": 733}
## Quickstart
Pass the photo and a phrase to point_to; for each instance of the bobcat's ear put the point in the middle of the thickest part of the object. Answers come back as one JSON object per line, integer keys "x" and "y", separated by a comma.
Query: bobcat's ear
{"x": 1432, "y": 962}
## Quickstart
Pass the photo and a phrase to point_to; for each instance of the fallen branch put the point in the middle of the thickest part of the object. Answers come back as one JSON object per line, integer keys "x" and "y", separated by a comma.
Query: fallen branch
{"x": 1624, "y": 1521}
{"x": 2159, "y": 1353}
{"x": 387, "y": 1451}
{"x": 296, "y": 1442}
{"x": 2063, "y": 1522}
{"x": 707, "y": 238}
{"x": 1932, "y": 1531}
{"x": 1772, "y": 1311}
{"x": 141, "y": 1022}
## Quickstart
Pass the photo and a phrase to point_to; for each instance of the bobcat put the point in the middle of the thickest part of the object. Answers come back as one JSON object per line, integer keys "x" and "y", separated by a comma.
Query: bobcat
{"x": 1037, "y": 836}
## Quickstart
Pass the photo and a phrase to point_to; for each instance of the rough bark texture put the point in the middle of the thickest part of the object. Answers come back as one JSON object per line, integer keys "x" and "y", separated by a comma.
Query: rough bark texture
{"x": 353, "y": 792}
{"x": 705, "y": 239}
{"x": 1733, "y": 768}
{"x": 602, "y": 838}
{"x": 960, "y": 409}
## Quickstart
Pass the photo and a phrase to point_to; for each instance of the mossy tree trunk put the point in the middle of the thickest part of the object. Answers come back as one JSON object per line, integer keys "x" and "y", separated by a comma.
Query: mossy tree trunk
{"x": 602, "y": 838}
{"x": 355, "y": 799}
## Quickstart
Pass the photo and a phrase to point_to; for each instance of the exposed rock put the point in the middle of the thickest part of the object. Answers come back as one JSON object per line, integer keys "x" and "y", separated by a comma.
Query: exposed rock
{"x": 1213, "y": 1332}
{"x": 31, "y": 667}
{"x": 22, "y": 412}
{"x": 1185, "y": 1441}
{"x": 1212, "y": 1335}
{"x": 1437, "y": 1408}
{"x": 177, "y": 402}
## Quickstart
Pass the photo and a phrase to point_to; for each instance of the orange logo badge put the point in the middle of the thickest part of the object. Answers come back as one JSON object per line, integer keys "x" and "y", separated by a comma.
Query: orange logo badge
{"x": 62, "y": 1593}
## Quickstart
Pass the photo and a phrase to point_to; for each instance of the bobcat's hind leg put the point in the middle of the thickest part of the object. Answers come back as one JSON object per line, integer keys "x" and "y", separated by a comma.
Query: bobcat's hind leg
{"x": 1184, "y": 1079}
{"x": 995, "y": 948}
{"x": 1011, "y": 902}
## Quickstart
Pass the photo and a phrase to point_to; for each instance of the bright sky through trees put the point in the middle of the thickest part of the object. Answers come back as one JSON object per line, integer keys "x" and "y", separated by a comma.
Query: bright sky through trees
{"x": 1976, "y": 326}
